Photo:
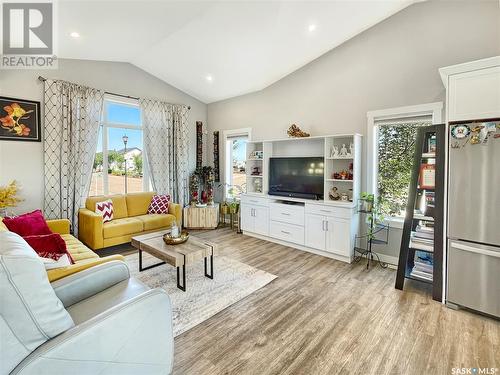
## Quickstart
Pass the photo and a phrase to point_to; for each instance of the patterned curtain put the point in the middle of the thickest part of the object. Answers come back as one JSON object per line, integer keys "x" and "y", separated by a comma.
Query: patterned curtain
{"x": 166, "y": 147}
{"x": 71, "y": 126}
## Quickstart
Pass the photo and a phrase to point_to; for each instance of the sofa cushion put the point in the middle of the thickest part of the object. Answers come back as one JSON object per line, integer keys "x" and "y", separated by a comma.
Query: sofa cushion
{"x": 77, "y": 249}
{"x": 3, "y": 228}
{"x": 138, "y": 203}
{"x": 156, "y": 221}
{"x": 119, "y": 204}
{"x": 30, "y": 310}
{"x": 28, "y": 224}
{"x": 120, "y": 227}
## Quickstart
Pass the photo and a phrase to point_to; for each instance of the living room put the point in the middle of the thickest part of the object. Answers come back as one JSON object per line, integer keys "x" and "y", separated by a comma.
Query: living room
{"x": 250, "y": 187}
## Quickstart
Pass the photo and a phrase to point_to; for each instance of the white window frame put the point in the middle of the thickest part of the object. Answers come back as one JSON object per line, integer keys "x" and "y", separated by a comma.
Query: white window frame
{"x": 105, "y": 125}
{"x": 232, "y": 133}
{"x": 428, "y": 109}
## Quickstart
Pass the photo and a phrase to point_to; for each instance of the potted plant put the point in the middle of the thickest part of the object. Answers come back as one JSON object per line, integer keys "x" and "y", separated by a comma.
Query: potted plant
{"x": 8, "y": 197}
{"x": 233, "y": 207}
{"x": 366, "y": 201}
{"x": 224, "y": 208}
{"x": 374, "y": 217}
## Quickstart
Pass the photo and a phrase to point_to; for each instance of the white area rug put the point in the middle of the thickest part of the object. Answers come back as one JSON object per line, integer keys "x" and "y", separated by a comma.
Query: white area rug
{"x": 203, "y": 297}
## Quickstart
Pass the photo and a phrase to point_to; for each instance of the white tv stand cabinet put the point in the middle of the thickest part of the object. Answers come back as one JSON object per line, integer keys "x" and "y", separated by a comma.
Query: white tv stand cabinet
{"x": 325, "y": 227}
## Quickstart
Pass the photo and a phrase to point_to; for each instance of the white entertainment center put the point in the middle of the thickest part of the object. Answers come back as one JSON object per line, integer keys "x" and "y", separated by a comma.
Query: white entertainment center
{"x": 326, "y": 226}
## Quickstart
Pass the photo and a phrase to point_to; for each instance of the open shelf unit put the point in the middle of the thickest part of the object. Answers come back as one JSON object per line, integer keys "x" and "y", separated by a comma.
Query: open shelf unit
{"x": 318, "y": 146}
{"x": 421, "y": 253}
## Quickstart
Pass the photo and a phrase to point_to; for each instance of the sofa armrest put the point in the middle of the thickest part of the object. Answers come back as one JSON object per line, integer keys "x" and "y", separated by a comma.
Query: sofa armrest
{"x": 84, "y": 284}
{"x": 90, "y": 228}
{"x": 133, "y": 337}
{"x": 61, "y": 226}
{"x": 176, "y": 210}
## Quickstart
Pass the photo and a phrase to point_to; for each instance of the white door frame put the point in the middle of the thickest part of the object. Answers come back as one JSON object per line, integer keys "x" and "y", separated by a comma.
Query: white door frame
{"x": 225, "y": 135}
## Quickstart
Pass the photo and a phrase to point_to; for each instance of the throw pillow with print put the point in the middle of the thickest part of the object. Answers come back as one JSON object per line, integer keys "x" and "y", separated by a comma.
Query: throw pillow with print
{"x": 105, "y": 209}
{"x": 159, "y": 204}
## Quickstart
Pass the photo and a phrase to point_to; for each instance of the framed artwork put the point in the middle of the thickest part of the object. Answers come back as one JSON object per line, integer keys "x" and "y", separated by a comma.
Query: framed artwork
{"x": 19, "y": 120}
{"x": 427, "y": 176}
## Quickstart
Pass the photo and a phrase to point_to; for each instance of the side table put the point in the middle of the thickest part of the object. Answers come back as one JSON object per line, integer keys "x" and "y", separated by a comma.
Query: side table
{"x": 201, "y": 217}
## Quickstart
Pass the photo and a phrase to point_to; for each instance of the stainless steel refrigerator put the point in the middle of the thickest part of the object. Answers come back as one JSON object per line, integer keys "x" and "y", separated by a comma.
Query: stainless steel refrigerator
{"x": 474, "y": 217}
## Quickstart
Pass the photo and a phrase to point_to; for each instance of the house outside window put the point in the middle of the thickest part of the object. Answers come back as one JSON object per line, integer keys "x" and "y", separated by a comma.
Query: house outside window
{"x": 120, "y": 167}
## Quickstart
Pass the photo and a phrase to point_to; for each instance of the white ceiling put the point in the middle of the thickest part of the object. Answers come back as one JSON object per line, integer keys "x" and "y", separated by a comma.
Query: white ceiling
{"x": 243, "y": 45}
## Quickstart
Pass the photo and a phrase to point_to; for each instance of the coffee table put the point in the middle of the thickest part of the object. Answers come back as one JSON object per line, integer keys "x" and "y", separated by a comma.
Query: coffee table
{"x": 176, "y": 255}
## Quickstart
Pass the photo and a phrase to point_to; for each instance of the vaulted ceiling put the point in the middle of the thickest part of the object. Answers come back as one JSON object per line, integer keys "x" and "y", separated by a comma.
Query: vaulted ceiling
{"x": 214, "y": 50}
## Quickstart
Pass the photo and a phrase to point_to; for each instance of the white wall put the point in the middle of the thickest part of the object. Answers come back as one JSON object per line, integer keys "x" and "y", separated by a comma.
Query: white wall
{"x": 394, "y": 63}
{"x": 23, "y": 161}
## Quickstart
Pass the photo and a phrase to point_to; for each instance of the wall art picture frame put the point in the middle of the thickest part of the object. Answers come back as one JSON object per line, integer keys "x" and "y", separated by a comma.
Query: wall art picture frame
{"x": 20, "y": 120}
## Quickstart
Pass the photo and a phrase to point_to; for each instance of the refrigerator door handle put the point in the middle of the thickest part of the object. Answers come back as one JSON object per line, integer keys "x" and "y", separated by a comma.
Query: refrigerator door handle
{"x": 477, "y": 250}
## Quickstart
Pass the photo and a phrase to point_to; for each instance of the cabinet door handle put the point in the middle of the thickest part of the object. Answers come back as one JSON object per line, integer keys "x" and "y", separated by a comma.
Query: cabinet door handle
{"x": 254, "y": 212}
{"x": 285, "y": 232}
{"x": 286, "y": 214}
{"x": 323, "y": 225}
{"x": 328, "y": 211}
{"x": 326, "y": 222}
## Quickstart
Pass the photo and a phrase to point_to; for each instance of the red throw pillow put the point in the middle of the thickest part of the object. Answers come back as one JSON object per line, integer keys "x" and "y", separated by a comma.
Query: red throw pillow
{"x": 159, "y": 204}
{"x": 49, "y": 246}
{"x": 29, "y": 224}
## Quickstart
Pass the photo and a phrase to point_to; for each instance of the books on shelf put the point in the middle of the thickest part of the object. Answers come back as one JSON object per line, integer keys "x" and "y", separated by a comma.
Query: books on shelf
{"x": 423, "y": 266}
{"x": 420, "y": 245}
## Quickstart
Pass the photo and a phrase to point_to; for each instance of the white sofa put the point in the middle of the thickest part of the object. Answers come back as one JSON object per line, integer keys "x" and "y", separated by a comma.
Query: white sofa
{"x": 97, "y": 321}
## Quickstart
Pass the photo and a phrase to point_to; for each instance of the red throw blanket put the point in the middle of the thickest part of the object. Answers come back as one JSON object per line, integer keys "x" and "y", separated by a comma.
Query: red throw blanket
{"x": 49, "y": 246}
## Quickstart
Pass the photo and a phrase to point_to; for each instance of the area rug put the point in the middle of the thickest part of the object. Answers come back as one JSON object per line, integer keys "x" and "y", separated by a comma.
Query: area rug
{"x": 203, "y": 297}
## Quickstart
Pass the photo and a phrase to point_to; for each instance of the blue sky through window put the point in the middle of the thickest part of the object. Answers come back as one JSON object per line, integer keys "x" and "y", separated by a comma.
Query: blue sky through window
{"x": 123, "y": 114}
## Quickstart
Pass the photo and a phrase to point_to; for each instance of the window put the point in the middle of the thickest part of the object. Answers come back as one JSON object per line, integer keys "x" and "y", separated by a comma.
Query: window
{"x": 391, "y": 145}
{"x": 236, "y": 168}
{"x": 235, "y": 161}
{"x": 396, "y": 146}
{"x": 118, "y": 165}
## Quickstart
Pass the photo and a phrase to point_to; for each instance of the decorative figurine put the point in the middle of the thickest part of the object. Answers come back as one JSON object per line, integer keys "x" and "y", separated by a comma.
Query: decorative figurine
{"x": 343, "y": 151}
{"x": 256, "y": 171}
{"x": 351, "y": 149}
{"x": 257, "y": 185}
{"x": 334, "y": 152}
{"x": 295, "y": 132}
{"x": 333, "y": 194}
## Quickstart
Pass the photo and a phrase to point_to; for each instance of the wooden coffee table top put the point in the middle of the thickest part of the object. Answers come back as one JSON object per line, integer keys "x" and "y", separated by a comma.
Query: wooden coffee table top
{"x": 176, "y": 255}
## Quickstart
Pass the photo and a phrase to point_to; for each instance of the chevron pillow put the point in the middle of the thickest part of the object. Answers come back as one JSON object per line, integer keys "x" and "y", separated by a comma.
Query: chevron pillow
{"x": 159, "y": 204}
{"x": 105, "y": 209}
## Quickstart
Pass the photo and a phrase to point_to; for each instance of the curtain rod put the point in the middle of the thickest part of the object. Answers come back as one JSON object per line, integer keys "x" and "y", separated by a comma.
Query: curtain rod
{"x": 43, "y": 79}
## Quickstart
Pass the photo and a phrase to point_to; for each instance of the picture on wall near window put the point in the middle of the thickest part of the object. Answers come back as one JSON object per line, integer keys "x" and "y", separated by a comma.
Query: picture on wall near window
{"x": 19, "y": 120}
{"x": 427, "y": 176}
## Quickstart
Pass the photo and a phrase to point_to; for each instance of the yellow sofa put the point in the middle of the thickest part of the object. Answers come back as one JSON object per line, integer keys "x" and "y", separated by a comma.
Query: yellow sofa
{"x": 130, "y": 218}
{"x": 84, "y": 257}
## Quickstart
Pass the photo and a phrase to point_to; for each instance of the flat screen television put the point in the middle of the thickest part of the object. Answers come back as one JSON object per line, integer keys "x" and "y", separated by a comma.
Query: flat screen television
{"x": 299, "y": 177}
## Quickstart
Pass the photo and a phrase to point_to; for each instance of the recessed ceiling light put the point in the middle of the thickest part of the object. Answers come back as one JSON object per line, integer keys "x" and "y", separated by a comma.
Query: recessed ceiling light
{"x": 209, "y": 78}
{"x": 312, "y": 27}
{"x": 74, "y": 34}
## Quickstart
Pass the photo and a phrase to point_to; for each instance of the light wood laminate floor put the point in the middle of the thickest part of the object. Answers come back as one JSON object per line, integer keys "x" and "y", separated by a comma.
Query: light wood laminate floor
{"x": 322, "y": 316}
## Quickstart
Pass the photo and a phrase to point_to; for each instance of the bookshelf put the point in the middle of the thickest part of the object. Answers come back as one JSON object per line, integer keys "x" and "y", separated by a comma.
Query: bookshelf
{"x": 421, "y": 251}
